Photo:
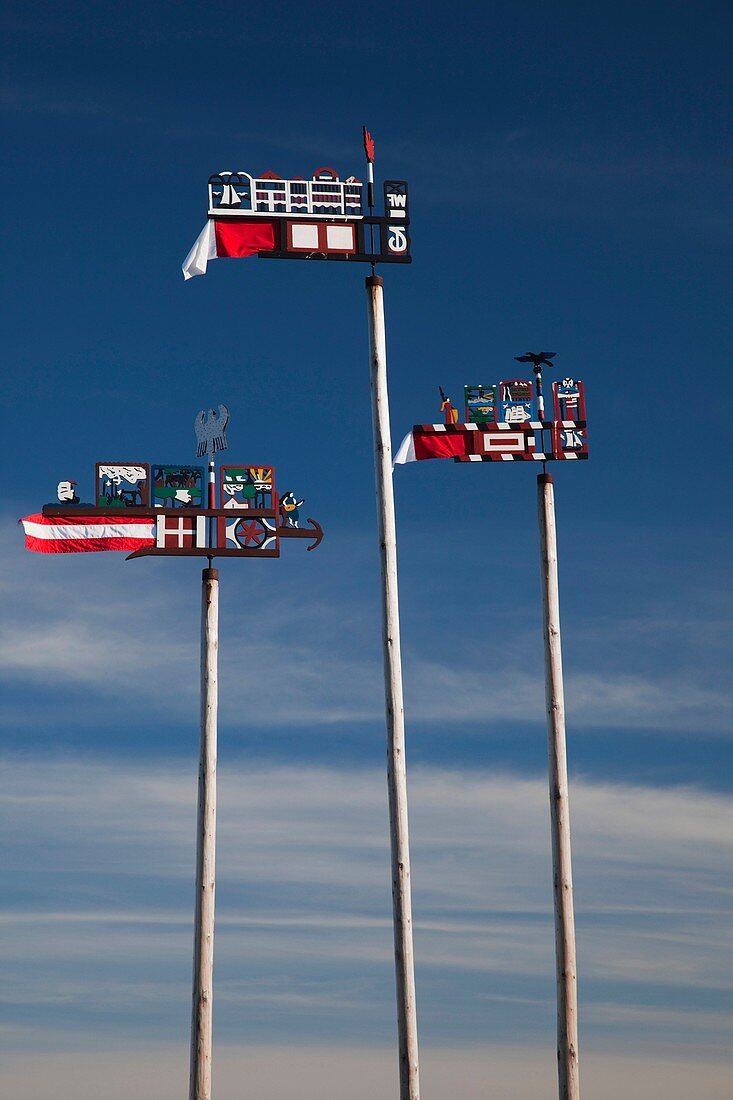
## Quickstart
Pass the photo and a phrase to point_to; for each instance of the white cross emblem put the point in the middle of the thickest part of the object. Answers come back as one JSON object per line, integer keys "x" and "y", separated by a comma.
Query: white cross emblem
{"x": 193, "y": 527}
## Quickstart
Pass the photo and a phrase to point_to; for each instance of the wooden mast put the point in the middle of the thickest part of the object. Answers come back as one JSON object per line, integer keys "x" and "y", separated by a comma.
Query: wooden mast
{"x": 203, "y": 949}
{"x": 562, "y": 874}
{"x": 396, "y": 769}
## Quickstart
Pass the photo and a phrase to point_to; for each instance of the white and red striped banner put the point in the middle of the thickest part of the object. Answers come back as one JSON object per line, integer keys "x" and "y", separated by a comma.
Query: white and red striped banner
{"x": 70, "y": 534}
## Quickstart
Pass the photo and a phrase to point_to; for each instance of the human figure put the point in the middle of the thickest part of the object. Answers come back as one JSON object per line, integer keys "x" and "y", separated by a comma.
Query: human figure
{"x": 67, "y": 492}
{"x": 450, "y": 414}
{"x": 289, "y": 506}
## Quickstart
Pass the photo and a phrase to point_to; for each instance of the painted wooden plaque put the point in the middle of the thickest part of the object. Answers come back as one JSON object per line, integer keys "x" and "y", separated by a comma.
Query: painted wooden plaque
{"x": 177, "y": 486}
{"x": 180, "y": 532}
{"x": 250, "y": 488}
{"x": 246, "y": 486}
{"x": 517, "y": 401}
{"x": 569, "y": 440}
{"x": 502, "y": 445}
{"x": 481, "y": 404}
{"x": 568, "y": 399}
{"x": 123, "y": 485}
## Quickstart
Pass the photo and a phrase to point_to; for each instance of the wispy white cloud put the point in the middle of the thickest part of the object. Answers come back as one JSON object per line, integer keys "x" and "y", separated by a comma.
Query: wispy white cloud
{"x": 130, "y": 639}
{"x": 105, "y": 852}
{"x": 615, "y": 699}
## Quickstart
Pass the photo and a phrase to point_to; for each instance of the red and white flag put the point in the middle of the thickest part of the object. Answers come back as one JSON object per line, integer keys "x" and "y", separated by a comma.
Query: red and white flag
{"x": 435, "y": 443}
{"x": 471, "y": 443}
{"x": 233, "y": 238}
{"x": 81, "y": 534}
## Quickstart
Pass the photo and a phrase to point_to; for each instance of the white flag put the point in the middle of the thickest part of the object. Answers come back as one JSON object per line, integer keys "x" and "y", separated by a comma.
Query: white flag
{"x": 204, "y": 249}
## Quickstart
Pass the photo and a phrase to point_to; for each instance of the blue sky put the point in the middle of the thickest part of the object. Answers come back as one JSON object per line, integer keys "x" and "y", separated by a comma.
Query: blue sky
{"x": 569, "y": 173}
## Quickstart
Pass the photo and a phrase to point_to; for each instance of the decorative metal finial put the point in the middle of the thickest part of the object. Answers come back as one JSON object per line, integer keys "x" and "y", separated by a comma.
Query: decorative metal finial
{"x": 538, "y": 359}
{"x": 210, "y": 426}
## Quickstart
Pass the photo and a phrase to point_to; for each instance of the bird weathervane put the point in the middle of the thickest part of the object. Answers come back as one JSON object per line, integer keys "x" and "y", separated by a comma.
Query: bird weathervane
{"x": 210, "y": 426}
{"x": 538, "y": 359}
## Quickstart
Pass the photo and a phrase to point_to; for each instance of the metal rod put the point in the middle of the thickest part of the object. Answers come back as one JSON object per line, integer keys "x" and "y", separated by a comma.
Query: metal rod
{"x": 540, "y": 395}
{"x": 567, "y": 992}
{"x": 211, "y": 500}
{"x": 203, "y": 944}
{"x": 396, "y": 768}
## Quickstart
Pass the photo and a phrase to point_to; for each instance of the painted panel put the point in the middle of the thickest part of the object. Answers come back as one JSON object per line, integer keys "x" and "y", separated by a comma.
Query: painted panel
{"x": 481, "y": 404}
{"x": 180, "y": 532}
{"x": 568, "y": 400}
{"x": 177, "y": 486}
{"x": 517, "y": 401}
{"x": 122, "y": 485}
{"x": 499, "y": 442}
{"x": 246, "y": 486}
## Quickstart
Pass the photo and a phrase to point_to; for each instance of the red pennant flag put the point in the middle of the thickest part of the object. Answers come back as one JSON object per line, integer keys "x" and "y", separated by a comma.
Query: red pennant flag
{"x": 368, "y": 144}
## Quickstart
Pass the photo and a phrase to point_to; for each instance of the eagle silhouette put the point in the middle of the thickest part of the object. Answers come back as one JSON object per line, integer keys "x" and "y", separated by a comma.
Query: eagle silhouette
{"x": 210, "y": 426}
{"x": 537, "y": 359}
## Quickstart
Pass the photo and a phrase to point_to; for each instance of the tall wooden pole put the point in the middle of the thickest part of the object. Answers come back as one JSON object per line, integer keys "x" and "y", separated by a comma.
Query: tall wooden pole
{"x": 396, "y": 770}
{"x": 567, "y": 992}
{"x": 203, "y": 947}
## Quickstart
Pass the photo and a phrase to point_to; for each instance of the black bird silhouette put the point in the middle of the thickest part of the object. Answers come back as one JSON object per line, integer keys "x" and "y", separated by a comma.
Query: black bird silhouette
{"x": 536, "y": 358}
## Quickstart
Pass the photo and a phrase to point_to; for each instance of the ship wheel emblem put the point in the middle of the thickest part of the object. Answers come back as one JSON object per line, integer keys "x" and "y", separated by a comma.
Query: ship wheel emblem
{"x": 255, "y": 534}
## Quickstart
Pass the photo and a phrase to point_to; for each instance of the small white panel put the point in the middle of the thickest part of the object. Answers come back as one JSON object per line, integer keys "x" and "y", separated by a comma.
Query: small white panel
{"x": 515, "y": 442}
{"x": 305, "y": 236}
{"x": 340, "y": 237}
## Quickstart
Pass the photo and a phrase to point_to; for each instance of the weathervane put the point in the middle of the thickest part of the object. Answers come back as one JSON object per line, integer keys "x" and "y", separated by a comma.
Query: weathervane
{"x": 505, "y": 422}
{"x": 325, "y": 217}
{"x": 320, "y": 218}
{"x": 158, "y": 509}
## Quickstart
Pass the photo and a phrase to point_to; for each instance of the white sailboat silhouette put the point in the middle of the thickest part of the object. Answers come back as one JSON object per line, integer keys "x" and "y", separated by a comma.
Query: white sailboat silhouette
{"x": 229, "y": 196}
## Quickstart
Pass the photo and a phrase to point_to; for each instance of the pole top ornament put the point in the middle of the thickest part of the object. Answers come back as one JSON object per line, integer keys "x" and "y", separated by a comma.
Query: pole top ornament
{"x": 368, "y": 145}
{"x": 538, "y": 359}
{"x": 210, "y": 427}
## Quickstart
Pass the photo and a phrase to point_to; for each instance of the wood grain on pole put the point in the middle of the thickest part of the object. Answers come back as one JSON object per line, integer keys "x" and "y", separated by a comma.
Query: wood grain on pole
{"x": 396, "y": 768}
{"x": 203, "y": 947}
{"x": 567, "y": 992}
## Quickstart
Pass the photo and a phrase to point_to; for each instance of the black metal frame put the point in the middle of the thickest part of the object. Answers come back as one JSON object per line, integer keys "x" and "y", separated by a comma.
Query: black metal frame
{"x": 362, "y": 256}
